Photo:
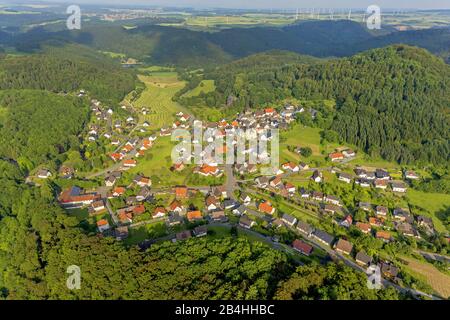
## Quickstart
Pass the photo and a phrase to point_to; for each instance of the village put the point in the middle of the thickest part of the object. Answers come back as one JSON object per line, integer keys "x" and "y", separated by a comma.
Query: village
{"x": 238, "y": 197}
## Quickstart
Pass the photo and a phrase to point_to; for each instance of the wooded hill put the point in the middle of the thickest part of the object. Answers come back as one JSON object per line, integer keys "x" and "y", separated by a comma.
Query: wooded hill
{"x": 187, "y": 48}
{"x": 67, "y": 69}
{"x": 392, "y": 102}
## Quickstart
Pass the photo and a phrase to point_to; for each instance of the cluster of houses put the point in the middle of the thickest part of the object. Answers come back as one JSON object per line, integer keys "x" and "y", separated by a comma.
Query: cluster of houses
{"x": 133, "y": 149}
{"x": 379, "y": 179}
{"x": 342, "y": 154}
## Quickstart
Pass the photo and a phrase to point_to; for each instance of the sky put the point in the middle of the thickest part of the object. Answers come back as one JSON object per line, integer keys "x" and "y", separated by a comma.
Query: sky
{"x": 275, "y": 4}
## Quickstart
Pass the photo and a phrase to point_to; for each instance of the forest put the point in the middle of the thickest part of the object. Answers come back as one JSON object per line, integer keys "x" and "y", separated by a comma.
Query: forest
{"x": 392, "y": 102}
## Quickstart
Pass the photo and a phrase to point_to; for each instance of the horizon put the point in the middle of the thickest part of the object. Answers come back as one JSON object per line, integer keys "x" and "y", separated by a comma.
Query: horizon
{"x": 260, "y": 5}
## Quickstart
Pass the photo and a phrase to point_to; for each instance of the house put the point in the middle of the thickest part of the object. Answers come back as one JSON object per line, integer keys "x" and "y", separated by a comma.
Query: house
{"x": 364, "y": 183}
{"x": 184, "y": 235}
{"x": 137, "y": 210}
{"x": 343, "y": 246}
{"x": 195, "y": 215}
{"x": 130, "y": 163}
{"x": 110, "y": 181}
{"x": 266, "y": 207}
{"x": 381, "y": 211}
{"x": 381, "y": 184}
{"x": 363, "y": 259}
{"x": 276, "y": 182}
{"x": 178, "y": 167}
{"x": 347, "y": 221}
{"x": 305, "y": 228}
{"x": 364, "y": 227}
{"x": 66, "y": 172}
{"x": 241, "y": 210}
{"x": 407, "y": 229}
{"x": 117, "y": 156}
{"x": 218, "y": 216}
{"x": 220, "y": 192}
{"x": 125, "y": 217}
{"x": 411, "y": 175}
{"x": 304, "y": 193}
{"x": 388, "y": 270}
{"x": 383, "y": 235}
{"x": 176, "y": 206}
{"x": 289, "y": 187}
{"x": 174, "y": 219}
{"x": 159, "y": 212}
{"x": 290, "y": 166}
{"x": 245, "y": 198}
{"x": 208, "y": 170}
{"x": 118, "y": 192}
{"x": 289, "y": 220}
{"x": 370, "y": 175}
{"x": 365, "y": 206}
{"x": 317, "y": 195}
{"x": 332, "y": 199}
{"x": 382, "y": 174}
{"x": 349, "y": 153}
{"x": 317, "y": 176}
{"x": 212, "y": 203}
{"x": 143, "y": 194}
{"x": 246, "y": 222}
{"x": 360, "y": 173}
{"x": 399, "y": 187}
{"x": 201, "y": 231}
{"x": 121, "y": 233}
{"x": 103, "y": 225}
{"x": 426, "y": 222}
{"x": 345, "y": 177}
{"x": 230, "y": 204}
{"x": 375, "y": 222}
{"x": 98, "y": 206}
{"x": 181, "y": 193}
{"x": 402, "y": 215}
{"x": 303, "y": 166}
{"x": 302, "y": 247}
{"x": 336, "y": 156}
{"x": 262, "y": 182}
{"x": 323, "y": 237}
{"x": 44, "y": 174}
{"x": 142, "y": 181}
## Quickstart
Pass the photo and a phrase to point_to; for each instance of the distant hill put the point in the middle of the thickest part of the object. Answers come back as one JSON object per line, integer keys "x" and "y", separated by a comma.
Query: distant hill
{"x": 392, "y": 101}
{"x": 183, "y": 47}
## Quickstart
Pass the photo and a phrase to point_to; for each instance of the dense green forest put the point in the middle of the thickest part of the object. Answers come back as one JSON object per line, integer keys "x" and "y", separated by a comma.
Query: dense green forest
{"x": 39, "y": 126}
{"x": 392, "y": 102}
{"x": 68, "y": 69}
{"x": 182, "y": 47}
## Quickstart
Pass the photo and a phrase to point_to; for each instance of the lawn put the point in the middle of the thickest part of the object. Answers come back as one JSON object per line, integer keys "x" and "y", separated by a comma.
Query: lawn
{"x": 157, "y": 162}
{"x": 435, "y": 203}
{"x": 149, "y": 231}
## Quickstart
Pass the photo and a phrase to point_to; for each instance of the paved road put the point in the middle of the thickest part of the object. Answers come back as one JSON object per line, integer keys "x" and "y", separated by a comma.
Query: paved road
{"x": 434, "y": 256}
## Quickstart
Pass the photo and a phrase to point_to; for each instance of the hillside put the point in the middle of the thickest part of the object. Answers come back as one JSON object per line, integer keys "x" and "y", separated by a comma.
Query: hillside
{"x": 391, "y": 102}
{"x": 67, "y": 69}
{"x": 183, "y": 47}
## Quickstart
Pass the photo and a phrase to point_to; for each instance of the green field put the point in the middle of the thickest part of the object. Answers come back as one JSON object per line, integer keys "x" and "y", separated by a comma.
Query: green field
{"x": 435, "y": 203}
{"x": 206, "y": 86}
{"x": 157, "y": 166}
{"x": 161, "y": 86}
